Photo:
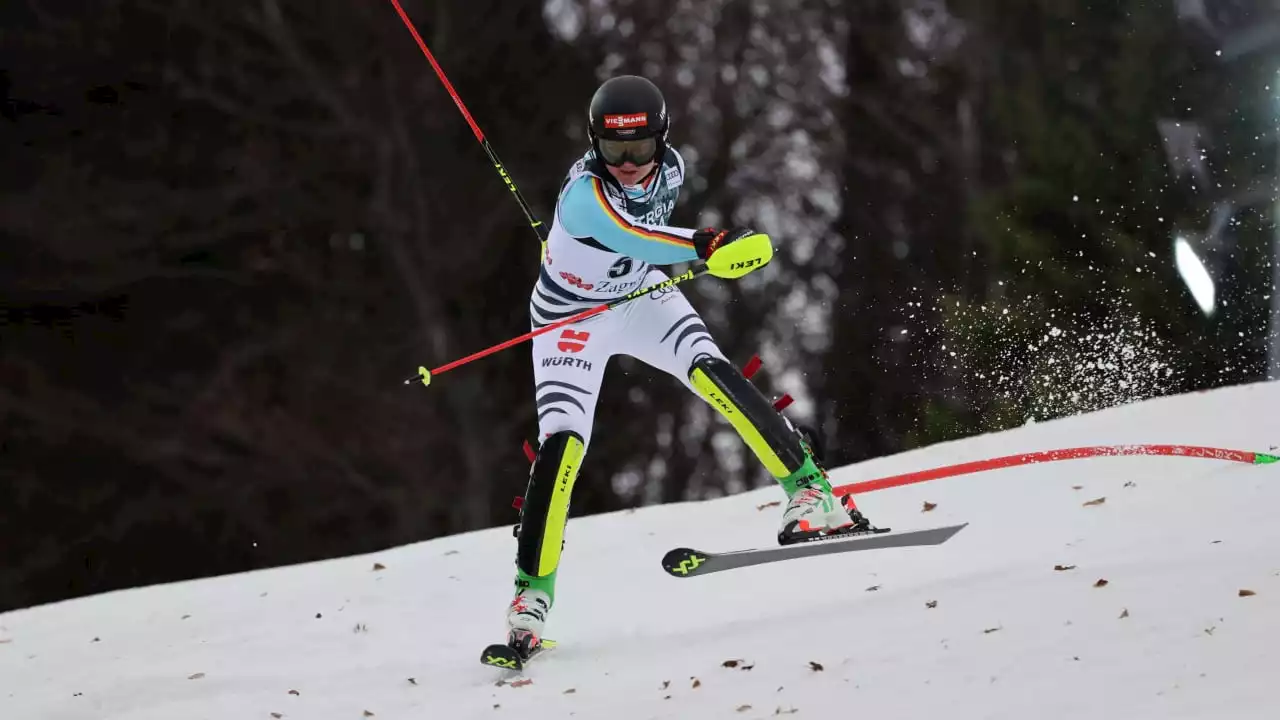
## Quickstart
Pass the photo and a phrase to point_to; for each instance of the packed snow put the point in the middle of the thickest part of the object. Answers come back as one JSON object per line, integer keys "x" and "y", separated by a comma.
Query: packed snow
{"x": 1119, "y": 587}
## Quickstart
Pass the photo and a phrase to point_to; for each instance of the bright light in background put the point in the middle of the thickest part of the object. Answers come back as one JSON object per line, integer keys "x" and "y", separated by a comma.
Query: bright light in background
{"x": 1193, "y": 272}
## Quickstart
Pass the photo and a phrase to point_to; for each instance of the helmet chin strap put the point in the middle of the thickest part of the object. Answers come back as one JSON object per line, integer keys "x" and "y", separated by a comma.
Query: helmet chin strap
{"x": 645, "y": 179}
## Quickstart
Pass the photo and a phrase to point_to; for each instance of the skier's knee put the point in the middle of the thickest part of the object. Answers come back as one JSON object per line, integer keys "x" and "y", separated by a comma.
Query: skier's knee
{"x": 558, "y": 424}
{"x": 546, "y": 502}
{"x": 769, "y": 435}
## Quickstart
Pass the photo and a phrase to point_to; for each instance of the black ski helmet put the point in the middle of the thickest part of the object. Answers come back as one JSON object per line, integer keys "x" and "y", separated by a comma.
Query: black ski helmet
{"x": 628, "y": 120}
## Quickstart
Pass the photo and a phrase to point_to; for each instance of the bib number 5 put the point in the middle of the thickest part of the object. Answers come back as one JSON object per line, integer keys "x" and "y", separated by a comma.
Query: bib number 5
{"x": 620, "y": 268}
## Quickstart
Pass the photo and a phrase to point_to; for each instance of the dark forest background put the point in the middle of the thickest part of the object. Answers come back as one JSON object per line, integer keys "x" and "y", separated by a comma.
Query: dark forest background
{"x": 229, "y": 229}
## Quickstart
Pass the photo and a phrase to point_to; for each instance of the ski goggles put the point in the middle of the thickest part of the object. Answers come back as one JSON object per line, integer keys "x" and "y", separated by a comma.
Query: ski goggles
{"x": 639, "y": 152}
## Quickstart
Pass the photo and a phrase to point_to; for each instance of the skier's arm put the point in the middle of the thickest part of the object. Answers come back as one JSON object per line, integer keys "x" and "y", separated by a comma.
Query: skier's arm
{"x": 585, "y": 212}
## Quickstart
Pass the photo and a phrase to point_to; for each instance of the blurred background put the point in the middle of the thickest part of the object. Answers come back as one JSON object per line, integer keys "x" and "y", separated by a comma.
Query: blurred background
{"x": 229, "y": 229}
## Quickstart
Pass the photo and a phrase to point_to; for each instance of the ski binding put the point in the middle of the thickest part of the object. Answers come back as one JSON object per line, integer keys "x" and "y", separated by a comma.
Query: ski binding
{"x": 505, "y": 657}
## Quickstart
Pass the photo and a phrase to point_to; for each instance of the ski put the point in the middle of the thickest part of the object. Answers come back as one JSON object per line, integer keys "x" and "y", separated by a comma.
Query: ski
{"x": 686, "y": 562}
{"x": 506, "y": 657}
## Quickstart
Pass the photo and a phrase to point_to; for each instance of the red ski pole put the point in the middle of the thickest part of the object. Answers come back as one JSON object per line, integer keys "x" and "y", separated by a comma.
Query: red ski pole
{"x": 475, "y": 129}
{"x": 424, "y": 375}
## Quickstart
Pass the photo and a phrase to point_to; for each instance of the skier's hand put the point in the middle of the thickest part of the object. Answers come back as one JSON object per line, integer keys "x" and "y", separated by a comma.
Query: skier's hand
{"x": 708, "y": 240}
{"x": 734, "y": 252}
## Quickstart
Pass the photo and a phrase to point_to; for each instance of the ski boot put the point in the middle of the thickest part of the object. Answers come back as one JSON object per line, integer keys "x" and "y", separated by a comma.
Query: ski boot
{"x": 815, "y": 512}
{"x": 812, "y": 509}
{"x": 526, "y": 617}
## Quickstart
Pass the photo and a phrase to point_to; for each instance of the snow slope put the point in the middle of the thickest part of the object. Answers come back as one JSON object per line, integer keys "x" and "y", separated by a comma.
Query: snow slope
{"x": 1008, "y": 637}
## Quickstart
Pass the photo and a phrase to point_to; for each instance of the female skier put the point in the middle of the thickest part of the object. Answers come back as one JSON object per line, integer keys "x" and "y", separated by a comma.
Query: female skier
{"x": 608, "y": 235}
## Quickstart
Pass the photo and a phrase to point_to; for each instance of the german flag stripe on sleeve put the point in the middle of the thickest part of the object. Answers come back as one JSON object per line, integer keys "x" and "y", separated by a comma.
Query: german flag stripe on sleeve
{"x": 597, "y": 186}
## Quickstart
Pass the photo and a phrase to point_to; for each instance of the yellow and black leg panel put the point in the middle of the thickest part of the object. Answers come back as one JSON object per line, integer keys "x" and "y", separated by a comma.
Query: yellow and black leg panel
{"x": 769, "y": 435}
{"x": 546, "y": 510}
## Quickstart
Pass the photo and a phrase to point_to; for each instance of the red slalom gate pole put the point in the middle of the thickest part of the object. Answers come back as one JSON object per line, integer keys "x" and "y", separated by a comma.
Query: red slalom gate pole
{"x": 1032, "y": 458}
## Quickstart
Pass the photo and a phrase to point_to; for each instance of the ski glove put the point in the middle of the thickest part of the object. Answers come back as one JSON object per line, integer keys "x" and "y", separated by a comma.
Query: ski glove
{"x": 734, "y": 252}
